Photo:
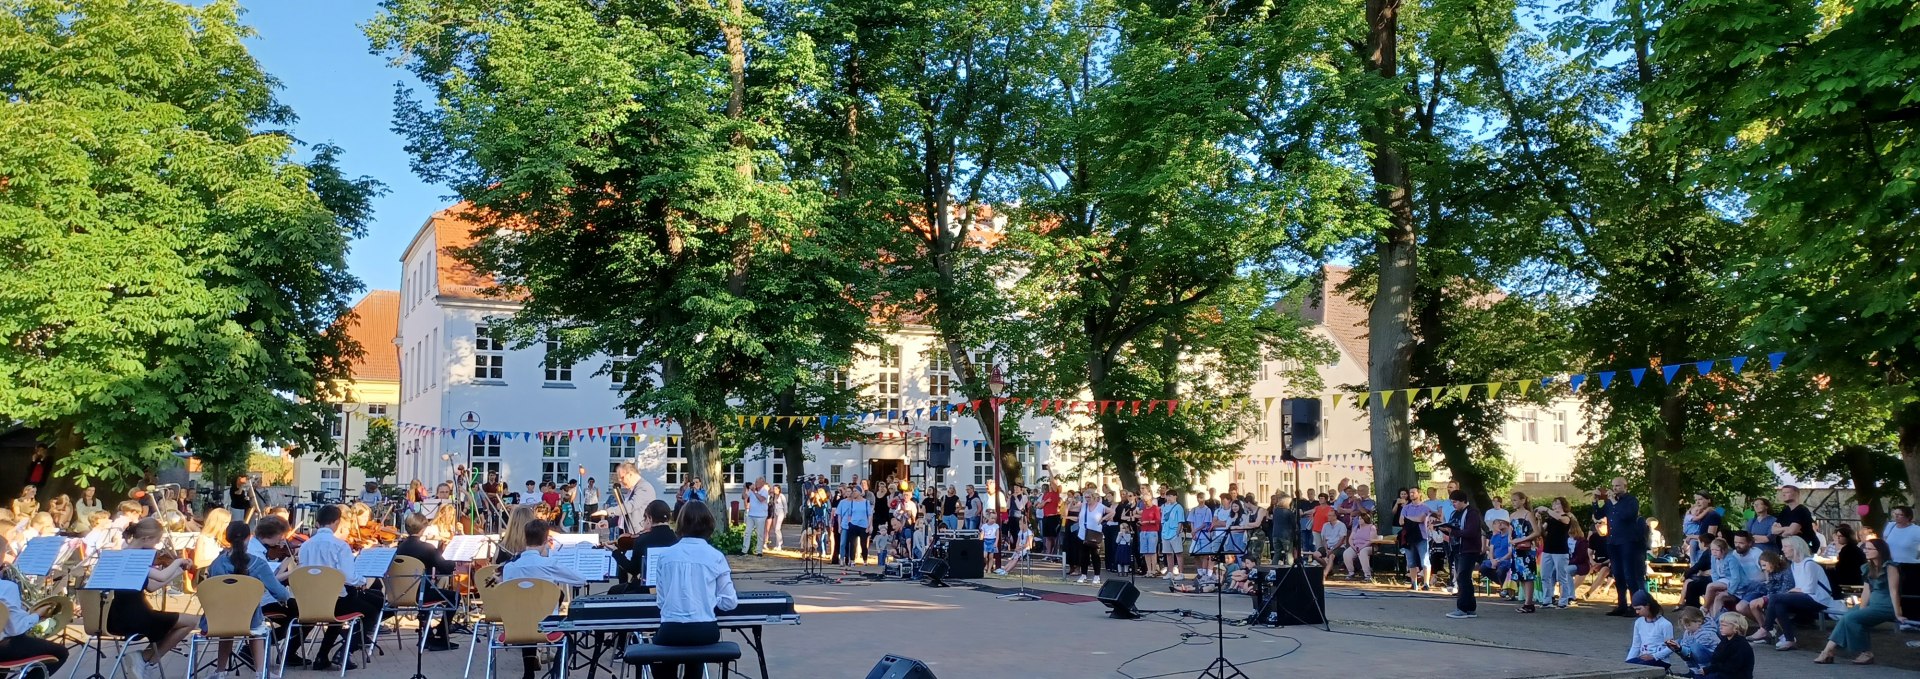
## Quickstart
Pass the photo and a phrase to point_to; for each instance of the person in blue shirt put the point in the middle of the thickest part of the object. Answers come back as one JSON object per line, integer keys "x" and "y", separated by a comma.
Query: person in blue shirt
{"x": 1626, "y": 546}
{"x": 1171, "y": 544}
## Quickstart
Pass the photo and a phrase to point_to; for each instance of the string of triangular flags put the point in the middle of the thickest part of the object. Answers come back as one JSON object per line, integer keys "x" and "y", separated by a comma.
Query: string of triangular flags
{"x": 1049, "y": 406}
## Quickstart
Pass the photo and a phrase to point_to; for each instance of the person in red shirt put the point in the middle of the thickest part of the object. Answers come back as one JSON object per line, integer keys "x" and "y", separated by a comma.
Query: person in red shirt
{"x": 1150, "y": 535}
{"x": 1050, "y": 517}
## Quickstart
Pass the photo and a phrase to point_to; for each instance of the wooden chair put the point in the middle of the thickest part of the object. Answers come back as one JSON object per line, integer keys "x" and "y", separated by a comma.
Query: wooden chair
{"x": 19, "y": 668}
{"x": 318, "y": 588}
{"x": 93, "y": 620}
{"x": 227, "y": 604}
{"x": 522, "y": 604}
{"x": 484, "y": 580}
{"x": 404, "y": 583}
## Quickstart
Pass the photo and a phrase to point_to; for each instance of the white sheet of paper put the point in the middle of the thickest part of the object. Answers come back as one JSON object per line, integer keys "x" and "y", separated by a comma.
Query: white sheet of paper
{"x": 595, "y": 564}
{"x": 121, "y": 569}
{"x": 465, "y": 548}
{"x": 373, "y": 562}
{"x": 564, "y": 540}
{"x": 40, "y": 554}
{"x": 183, "y": 541}
{"x": 653, "y": 566}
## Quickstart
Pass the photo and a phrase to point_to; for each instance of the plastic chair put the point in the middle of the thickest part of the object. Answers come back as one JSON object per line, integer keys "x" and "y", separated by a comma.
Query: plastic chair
{"x": 522, "y": 605}
{"x": 227, "y": 605}
{"x": 19, "y": 668}
{"x": 484, "y": 580}
{"x": 93, "y": 620}
{"x": 318, "y": 588}
{"x": 405, "y": 580}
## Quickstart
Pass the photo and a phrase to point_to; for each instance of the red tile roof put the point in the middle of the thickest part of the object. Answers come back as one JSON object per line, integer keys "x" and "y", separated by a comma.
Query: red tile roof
{"x": 1344, "y": 316}
{"x": 374, "y": 324}
{"x": 453, "y": 229}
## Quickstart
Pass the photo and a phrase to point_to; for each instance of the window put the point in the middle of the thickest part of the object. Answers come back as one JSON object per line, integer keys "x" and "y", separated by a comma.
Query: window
{"x": 1029, "y": 462}
{"x": 833, "y": 473}
{"x": 676, "y": 449}
{"x": 888, "y": 385}
{"x": 339, "y": 420}
{"x": 489, "y": 354}
{"x": 556, "y": 458}
{"x": 939, "y": 384}
{"x": 1532, "y": 477}
{"x": 1530, "y": 427}
{"x": 375, "y": 410}
{"x": 620, "y": 448}
{"x": 735, "y": 474}
{"x": 839, "y": 379}
{"x": 1559, "y": 427}
{"x": 329, "y": 478}
{"x": 620, "y": 368}
{"x": 485, "y": 451}
{"x": 1260, "y": 429}
{"x": 982, "y": 463}
{"x": 557, "y": 370}
{"x": 778, "y": 474}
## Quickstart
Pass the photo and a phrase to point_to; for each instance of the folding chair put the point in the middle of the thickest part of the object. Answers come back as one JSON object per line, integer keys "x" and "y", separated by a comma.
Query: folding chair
{"x": 227, "y": 605}
{"x": 522, "y": 604}
{"x": 484, "y": 579}
{"x": 318, "y": 588}
{"x": 93, "y": 620}
{"x": 19, "y": 668}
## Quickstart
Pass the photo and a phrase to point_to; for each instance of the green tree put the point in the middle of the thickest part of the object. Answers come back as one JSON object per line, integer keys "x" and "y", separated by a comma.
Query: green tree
{"x": 167, "y": 268}
{"x": 630, "y": 160}
{"x": 377, "y": 455}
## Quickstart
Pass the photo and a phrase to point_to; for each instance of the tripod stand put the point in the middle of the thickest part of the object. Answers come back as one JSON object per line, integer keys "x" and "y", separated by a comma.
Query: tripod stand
{"x": 1027, "y": 561}
{"x": 809, "y": 563}
{"x": 1221, "y": 667}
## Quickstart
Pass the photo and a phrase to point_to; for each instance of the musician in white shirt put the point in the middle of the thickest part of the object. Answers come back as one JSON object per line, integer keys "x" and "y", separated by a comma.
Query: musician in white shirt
{"x": 326, "y": 549}
{"x": 17, "y": 645}
{"x": 694, "y": 582}
{"x": 535, "y": 563}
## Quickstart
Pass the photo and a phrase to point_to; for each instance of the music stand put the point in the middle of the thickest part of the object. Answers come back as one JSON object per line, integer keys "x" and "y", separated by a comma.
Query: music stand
{"x": 1023, "y": 594}
{"x": 1221, "y": 667}
{"x": 809, "y": 565}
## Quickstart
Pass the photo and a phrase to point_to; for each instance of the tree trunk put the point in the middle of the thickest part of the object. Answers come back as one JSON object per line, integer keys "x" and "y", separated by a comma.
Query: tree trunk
{"x": 702, "y": 439}
{"x": 1390, "y": 322}
{"x": 1456, "y": 452}
{"x": 793, "y": 452}
{"x": 1866, "y": 481}
{"x": 1663, "y": 480}
{"x": 1907, "y": 422}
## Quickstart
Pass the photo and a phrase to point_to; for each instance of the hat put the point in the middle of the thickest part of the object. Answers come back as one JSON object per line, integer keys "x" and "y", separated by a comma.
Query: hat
{"x": 1642, "y": 598}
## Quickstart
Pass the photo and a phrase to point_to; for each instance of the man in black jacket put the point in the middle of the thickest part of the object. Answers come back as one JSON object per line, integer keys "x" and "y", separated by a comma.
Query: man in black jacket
{"x": 657, "y": 531}
{"x": 436, "y": 566}
{"x": 1464, "y": 536}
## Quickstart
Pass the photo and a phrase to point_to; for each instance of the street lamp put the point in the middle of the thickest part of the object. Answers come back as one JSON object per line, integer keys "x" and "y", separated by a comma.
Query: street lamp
{"x": 997, "y": 385}
{"x": 346, "y": 443}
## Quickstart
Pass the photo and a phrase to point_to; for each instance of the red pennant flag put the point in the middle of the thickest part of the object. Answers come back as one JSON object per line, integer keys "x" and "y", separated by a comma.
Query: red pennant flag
{"x": 960, "y": 409}
{"x": 1150, "y": 406}
{"x": 1136, "y": 407}
{"x": 1104, "y": 405}
{"x": 1027, "y": 402}
{"x": 1172, "y": 404}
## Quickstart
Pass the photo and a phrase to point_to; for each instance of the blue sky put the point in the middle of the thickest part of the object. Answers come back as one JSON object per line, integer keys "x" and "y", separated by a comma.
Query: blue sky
{"x": 344, "y": 95}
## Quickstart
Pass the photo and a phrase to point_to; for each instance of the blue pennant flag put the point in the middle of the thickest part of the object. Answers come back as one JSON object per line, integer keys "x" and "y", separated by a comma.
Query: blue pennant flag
{"x": 1637, "y": 373}
{"x": 1606, "y": 379}
{"x": 1704, "y": 366}
{"x": 1773, "y": 359}
{"x": 1546, "y": 382}
{"x": 1738, "y": 362}
{"x": 1575, "y": 381}
{"x": 1669, "y": 371}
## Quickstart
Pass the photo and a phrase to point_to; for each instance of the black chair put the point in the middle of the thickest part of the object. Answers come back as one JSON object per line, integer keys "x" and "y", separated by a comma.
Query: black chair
{"x": 725, "y": 653}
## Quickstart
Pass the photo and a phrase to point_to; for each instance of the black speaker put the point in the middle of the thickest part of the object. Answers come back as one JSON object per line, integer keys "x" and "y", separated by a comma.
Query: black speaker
{"x": 939, "y": 446}
{"x": 1303, "y": 429}
{"x": 966, "y": 560}
{"x": 1296, "y": 595}
{"x": 1119, "y": 596}
{"x": 896, "y": 667}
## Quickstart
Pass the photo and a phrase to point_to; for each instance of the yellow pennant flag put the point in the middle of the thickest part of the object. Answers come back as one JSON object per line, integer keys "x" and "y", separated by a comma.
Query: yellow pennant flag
{"x": 1465, "y": 391}
{"x": 741, "y": 420}
{"x": 1493, "y": 390}
{"x": 1408, "y": 393}
{"x": 1336, "y": 401}
{"x": 1524, "y": 385}
{"x": 1267, "y": 405}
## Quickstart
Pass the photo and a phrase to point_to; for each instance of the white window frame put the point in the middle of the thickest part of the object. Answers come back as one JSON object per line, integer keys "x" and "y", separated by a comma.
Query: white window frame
{"x": 939, "y": 385}
{"x": 620, "y": 367}
{"x": 377, "y": 410}
{"x": 1559, "y": 426}
{"x": 489, "y": 354}
{"x": 1530, "y": 427}
{"x": 555, "y": 371}
{"x": 734, "y": 474}
{"x": 676, "y": 457}
{"x": 330, "y": 478}
{"x": 982, "y": 463}
{"x": 777, "y": 472}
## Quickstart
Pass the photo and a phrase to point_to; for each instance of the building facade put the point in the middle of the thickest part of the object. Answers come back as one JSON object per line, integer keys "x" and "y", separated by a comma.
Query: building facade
{"x": 373, "y": 392}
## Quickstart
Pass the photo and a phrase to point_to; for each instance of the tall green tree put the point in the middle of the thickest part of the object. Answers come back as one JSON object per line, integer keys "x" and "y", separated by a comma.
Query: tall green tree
{"x": 377, "y": 455}
{"x": 630, "y": 159}
{"x": 168, "y": 268}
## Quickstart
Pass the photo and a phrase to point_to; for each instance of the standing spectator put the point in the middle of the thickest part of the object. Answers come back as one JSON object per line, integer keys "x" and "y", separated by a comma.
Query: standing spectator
{"x": 1050, "y": 517}
{"x": 590, "y": 500}
{"x": 1701, "y": 524}
{"x": 1172, "y": 516}
{"x": 973, "y": 508}
{"x": 950, "y": 509}
{"x": 1093, "y": 513}
{"x": 1626, "y": 547}
{"x": 1150, "y": 536}
{"x": 1204, "y": 533}
{"x": 1761, "y": 525}
{"x": 1526, "y": 542}
{"x": 776, "y": 515}
{"x": 1414, "y": 517}
{"x": 756, "y": 528}
{"x": 1557, "y": 526}
{"x": 1902, "y": 536}
{"x": 1070, "y": 556}
{"x": 1796, "y": 520}
{"x": 855, "y": 515}
{"x": 1463, "y": 539}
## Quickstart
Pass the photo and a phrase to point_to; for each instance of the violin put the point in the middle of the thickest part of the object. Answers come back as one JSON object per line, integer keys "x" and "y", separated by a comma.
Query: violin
{"x": 280, "y": 552}
{"x": 164, "y": 556}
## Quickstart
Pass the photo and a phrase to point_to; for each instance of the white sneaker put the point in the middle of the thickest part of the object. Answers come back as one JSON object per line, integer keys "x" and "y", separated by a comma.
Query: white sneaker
{"x": 145, "y": 670}
{"x": 999, "y": 571}
{"x": 1096, "y": 580}
{"x": 1079, "y": 581}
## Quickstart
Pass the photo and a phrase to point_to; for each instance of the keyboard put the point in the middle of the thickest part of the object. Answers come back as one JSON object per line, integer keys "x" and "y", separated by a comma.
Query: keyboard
{"x": 641, "y": 612}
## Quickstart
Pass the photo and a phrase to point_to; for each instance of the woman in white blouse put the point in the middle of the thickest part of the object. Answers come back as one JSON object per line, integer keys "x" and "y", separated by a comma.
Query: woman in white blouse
{"x": 694, "y": 581}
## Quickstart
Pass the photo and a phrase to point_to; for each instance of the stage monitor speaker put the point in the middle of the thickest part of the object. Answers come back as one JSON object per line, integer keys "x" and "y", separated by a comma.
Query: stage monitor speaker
{"x": 966, "y": 560}
{"x": 1296, "y": 595}
{"x": 1303, "y": 430}
{"x": 939, "y": 446}
{"x": 896, "y": 667}
{"x": 1119, "y": 596}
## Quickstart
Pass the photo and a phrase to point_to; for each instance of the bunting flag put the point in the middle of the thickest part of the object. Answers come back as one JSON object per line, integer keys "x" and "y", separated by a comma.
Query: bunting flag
{"x": 1606, "y": 379}
{"x": 1493, "y": 390}
{"x": 1524, "y": 385}
{"x": 1336, "y": 400}
{"x": 1669, "y": 371}
{"x": 1575, "y": 381}
{"x": 1705, "y": 367}
{"x": 1737, "y": 363}
{"x": 1773, "y": 360}
{"x": 1637, "y": 373}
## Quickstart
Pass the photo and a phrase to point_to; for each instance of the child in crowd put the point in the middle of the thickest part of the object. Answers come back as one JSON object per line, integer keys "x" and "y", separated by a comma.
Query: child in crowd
{"x": 990, "y": 543}
{"x": 883, "y": 542}
{"x": 1123, "y": 550}
{"x": 1650, "y": 633}
{"x": 1022, "y": 544}
{"x": 1500, "y": 559}
{"x": 1777, "y": 580}
{"x": 1696, "y": 643}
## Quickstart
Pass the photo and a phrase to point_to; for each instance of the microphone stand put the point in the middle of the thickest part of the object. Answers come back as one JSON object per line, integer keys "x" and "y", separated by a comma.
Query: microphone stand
{"x": 1221, "y": 667}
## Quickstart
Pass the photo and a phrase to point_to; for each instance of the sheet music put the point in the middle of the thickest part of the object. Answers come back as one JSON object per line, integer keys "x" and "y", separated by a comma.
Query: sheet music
{"x": 121, "y": 569}
{"x": 594, "y": 564}
{"x": 465, "y": 548}
{"x": 428, "y": 508}
{"x": 373, "y": 562}
{"x": 565, "y": 540}
{"x": 653, "y": 566}
{"x": 40, "y": 554}
{"x": 183, "y": 541}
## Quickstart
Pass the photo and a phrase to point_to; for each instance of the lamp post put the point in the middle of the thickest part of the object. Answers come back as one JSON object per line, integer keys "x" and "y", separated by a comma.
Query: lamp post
{"x": 346, "y": 443}
{"x": 997, "y": 385}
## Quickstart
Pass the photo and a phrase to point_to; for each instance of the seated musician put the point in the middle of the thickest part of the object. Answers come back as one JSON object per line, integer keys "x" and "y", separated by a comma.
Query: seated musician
{"x": 655, "y": 533}
{"x": 535, "y": 563}
{"x": 17, "y": 645}
{"x": 695, "y": 581}
{"x": 326, "y": 549}
{"x": 130, "y": 614}
{"x": 270, "y": 542}
{"x": 513, "y": 541}
{"x": 239, "y": 560}
{"x": 417, "y": 547}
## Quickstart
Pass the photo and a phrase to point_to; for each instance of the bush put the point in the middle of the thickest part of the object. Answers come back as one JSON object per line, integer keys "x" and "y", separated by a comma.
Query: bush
{"x": 730, "y": 540}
